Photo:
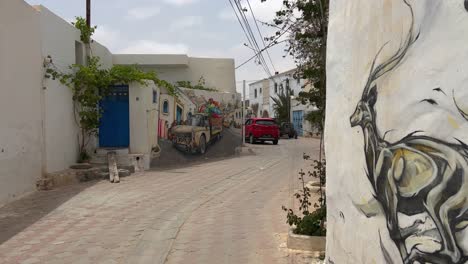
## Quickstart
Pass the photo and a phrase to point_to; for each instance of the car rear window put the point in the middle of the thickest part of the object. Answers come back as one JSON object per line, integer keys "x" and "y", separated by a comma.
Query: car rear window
{"x": 265, "y": 122}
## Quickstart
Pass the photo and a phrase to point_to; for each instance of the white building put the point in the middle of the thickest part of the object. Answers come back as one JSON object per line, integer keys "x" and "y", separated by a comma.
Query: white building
{"x": 262, "y": 104}
{"x": 38, "y": 131}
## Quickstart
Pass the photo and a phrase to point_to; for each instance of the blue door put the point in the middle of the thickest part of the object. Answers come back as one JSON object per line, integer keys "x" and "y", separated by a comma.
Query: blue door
{"x": 114, "y": 129}
{"x": 298, "y": 117}
{"x": 179, "y": 114}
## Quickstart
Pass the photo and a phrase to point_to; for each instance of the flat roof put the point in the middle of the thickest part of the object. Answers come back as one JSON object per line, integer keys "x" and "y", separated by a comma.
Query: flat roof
{"x": 151, "y": 59}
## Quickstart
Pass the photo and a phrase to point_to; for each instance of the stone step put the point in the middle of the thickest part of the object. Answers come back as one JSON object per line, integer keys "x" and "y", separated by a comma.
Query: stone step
{"x": 140, "y": 162}
{"x": 118, "y": 151}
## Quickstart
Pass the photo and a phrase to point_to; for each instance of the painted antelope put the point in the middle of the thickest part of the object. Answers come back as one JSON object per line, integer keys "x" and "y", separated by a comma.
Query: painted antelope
{"x": 417, "y": 174}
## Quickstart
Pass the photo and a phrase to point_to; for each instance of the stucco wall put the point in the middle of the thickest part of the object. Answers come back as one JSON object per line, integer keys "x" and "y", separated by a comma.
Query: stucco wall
{"x": 218, "y": 73}
{"x": 58, "y": 39}
{"x": 169, "y": 117}
{"x": 421, "y": 179}
{"x": 20, "y": 108}
{"x": 143, "y": 117}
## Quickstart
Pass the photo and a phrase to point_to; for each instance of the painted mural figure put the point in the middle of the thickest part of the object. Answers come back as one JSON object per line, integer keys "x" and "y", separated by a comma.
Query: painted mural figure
{"x": 417, "y": 175}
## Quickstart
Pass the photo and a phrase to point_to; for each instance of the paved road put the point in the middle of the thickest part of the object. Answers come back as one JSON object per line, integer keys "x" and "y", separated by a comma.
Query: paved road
{"x": 226, "y": 211}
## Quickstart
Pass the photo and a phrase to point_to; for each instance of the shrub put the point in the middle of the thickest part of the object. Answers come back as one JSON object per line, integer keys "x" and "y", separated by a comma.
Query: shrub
{"x": 306, "y": 222}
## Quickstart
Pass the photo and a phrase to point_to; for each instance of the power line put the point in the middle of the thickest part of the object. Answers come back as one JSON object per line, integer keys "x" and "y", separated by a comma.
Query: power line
{"x": 262, "y": 59}
{"x": 249, "y": 35}
{"x": 267, "y": 47}
{"x": 261, "y": 37}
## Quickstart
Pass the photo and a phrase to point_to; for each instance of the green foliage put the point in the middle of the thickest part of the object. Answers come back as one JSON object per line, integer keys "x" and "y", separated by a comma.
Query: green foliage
{"x": 86, "y": 32}
{"x": 311, "y": 224}
{"x": 84, "y": 157}
{"x": 90, "y": 84}
{"x": 306, "y": 222}
{"x": 306, "y": 23}
{"x": 282, "y": 106}
{"x": 199, "y": 86}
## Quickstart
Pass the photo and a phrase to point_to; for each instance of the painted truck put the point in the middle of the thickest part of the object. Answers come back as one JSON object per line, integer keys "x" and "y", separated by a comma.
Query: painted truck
{"x": 202, "y": 129}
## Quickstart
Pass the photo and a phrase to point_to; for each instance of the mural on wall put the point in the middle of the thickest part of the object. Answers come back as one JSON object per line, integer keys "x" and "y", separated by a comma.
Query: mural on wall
{"x": 208, "y": 128}
{"x": 417, "y": 176}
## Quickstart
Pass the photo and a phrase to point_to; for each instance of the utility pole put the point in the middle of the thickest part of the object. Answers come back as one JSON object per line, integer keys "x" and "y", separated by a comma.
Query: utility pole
{"x": 88, "y": 13}
{"x": 243, "y": 113}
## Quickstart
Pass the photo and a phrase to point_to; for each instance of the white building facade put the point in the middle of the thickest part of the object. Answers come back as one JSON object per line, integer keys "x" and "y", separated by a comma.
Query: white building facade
{"x": 262, "y": 104}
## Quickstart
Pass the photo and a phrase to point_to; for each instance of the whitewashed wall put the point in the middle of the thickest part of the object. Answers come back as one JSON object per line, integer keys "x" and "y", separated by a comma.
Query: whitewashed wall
{"x": 143, "y": 119}
{"x": 438, "y": 59}
{"x": 58, "y": 38}
{"x": 20, "y": 100}
{"x": 218, "y": 73}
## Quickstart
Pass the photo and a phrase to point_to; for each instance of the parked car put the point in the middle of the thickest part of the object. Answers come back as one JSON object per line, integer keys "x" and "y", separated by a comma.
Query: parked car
{"x": 287, "y": 128}
{"x": 262, "y": 129}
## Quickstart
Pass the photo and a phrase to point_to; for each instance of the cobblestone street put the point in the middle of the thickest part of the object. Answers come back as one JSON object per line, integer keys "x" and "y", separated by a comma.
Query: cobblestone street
{"x": 225, "y": 211}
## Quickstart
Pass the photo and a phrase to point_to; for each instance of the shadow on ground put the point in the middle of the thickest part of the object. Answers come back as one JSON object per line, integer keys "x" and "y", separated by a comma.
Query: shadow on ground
{"x": 18, "y": 215}
{"x": 171, "y": 157}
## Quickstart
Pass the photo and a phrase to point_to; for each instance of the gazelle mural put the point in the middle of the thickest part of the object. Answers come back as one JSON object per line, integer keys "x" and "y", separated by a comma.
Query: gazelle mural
{"x": 416, "y": 175}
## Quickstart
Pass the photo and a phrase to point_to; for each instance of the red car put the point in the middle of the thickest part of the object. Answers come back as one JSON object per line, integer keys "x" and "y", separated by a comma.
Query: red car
{"x": 262, "y": 129}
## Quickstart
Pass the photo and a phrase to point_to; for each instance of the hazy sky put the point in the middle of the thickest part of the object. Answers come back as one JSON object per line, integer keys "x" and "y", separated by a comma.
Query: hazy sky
{"x": 199, "y": 28}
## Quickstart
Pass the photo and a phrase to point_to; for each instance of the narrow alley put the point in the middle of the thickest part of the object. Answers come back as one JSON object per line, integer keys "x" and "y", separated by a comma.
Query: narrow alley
{"x": 225, "y": 211}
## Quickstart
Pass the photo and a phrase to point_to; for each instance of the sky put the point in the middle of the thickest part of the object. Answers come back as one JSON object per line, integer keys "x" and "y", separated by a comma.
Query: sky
{"x": 199, "y": 28}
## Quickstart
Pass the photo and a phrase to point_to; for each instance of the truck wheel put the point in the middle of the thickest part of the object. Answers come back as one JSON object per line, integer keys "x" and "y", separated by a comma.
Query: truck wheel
{"x": 251, "y": 139}
{"x": 202, "y": 145}
{"x": 275, "y": 142}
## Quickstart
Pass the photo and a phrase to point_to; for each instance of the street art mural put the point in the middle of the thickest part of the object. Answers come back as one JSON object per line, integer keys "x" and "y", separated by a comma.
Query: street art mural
{"x": 418, "y": 181}
{"x": 208, "y": 129}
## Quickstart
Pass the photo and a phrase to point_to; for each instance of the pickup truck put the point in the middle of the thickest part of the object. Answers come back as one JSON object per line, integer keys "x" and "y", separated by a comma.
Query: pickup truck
{"x": 200, "y": 131}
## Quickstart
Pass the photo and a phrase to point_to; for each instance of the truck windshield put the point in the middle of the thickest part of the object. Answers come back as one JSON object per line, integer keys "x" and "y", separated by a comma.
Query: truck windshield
{"x": 196, "y": 120}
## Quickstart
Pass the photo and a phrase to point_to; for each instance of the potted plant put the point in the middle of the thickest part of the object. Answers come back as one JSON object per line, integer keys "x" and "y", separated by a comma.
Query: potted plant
{"x": 308, "y": 227}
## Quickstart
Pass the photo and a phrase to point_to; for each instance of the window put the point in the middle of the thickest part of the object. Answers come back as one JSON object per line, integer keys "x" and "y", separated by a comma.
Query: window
{"x": 266, "y": 122}
{"x": 292, "y": 92}
{"x": 276, "y": 88}
{"x": 281, "y": 88}
{"x": 255, "y": 93}
{"x": 260, "y": 90}
{"x": 166, "y": 107}
{"x": 155, "y": 96}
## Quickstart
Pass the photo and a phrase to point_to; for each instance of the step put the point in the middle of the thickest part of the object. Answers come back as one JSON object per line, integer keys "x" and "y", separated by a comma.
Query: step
{"x": 118, "y": 151}
{"x": 140, "y": 162}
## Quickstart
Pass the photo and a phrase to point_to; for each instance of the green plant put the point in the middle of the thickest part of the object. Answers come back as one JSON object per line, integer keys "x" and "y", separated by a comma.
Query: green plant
{"x": 281, "y": 106}
{"x": 86, "y": 32}
{"x": 199, "y": 86}
{"x": 83, "y": 157}
{"x": 306, "y": 222}
{"x": 90, "y": 84}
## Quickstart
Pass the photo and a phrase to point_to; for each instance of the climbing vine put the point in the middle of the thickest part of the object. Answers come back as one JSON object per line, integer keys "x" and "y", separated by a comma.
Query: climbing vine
{"x": 201, "y": 85}
{"x": 86, "y": 32}
{"x": 91, "y": 83}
